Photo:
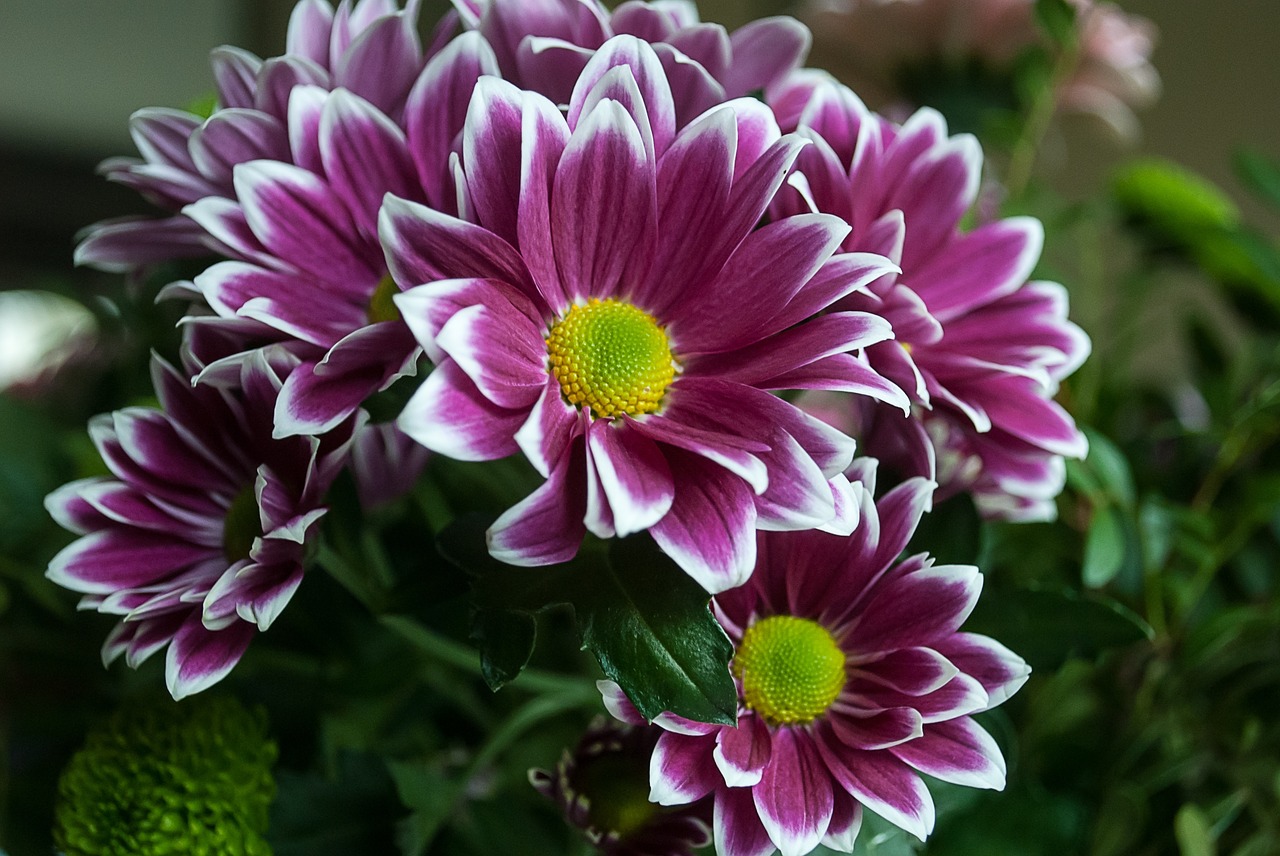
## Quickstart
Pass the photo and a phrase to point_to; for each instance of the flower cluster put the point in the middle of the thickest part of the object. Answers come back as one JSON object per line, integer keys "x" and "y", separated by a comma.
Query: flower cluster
{"x": 685, "y": 279}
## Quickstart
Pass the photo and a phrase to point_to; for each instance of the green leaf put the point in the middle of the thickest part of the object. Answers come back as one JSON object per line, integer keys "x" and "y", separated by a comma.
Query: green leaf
{"x": 1058, "y": 18}
{"x": 353, "y": 812}
{"x": 1104, "y": 547}
{"x": 1049, "y": 626}
{"x": 645, "y": 620}
{"x": 1191, "y": 827}
{"x": 1111, "y": 467}
{"x": 1260, "y": 174}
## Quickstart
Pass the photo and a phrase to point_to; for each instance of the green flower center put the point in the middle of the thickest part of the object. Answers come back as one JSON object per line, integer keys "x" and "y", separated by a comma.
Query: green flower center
{"x": 241, "y": 526}
{"x": 791, "y": 669}
{"x": 611, "y": 357}
{"x": 381, "y": 306}
{"x": 617, "y": 793}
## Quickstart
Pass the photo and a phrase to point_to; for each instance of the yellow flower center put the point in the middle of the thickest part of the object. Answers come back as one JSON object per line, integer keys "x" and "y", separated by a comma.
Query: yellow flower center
{"x": 791, "y": 669}
{"x": 611, "y": 357}
{"x": 381, "y": 306}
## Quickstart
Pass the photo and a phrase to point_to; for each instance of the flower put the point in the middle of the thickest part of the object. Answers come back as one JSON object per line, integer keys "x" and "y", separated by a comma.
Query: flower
{"x": 286, "y": 178}
{"x": 198, "y": 538}
{"x": 891, "y": 50}
{"x": 544, "y": 45}
{"x": 607, "y": 310}
{"x": 602, "y": 787}
{"x": 980, "y": 349}
{"x": 160, "y": 779}
{"x": 852, "y": 680}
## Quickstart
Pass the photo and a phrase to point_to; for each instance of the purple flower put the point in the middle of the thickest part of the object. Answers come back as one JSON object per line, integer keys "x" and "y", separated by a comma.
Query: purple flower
{"x": 286, "y": 178}
{"x": 602, "y": 787}
{"x": 981, "y": 349}
{"x": 607, "y": 308}
{"x": 544, "y": 45}
{"x": 853, "y": 680}
{"x": 198, "y": 538}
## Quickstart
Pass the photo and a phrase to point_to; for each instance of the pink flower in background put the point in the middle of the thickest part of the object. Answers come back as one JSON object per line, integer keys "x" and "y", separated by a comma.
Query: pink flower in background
{"x": 888, "y": 50}
{"x": 610, "y": 310}
{"x": 543, "y": 45}
{"x": 853, "y": 679}
{"x": 980, "y": 349}
{"x": 197, "y": 538}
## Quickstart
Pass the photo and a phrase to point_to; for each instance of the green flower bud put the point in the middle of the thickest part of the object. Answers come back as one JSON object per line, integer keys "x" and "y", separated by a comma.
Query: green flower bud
{"x": 170, "y": 779}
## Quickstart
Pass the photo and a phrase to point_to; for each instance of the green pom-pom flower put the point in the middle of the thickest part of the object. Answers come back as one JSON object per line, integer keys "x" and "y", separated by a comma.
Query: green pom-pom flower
{"x": 192, "y": 778}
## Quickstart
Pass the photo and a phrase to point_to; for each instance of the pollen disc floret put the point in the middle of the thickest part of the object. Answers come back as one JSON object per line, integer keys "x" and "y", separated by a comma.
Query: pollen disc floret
{"x": 611, "y": 357}
{"x": 791, "y": 669}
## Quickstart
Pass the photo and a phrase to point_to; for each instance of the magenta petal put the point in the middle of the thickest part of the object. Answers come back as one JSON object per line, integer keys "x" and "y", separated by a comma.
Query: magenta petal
{"x": 450, "y": 416}
{"x": 771, "y": 264}
{"x": 309, "y": 28}
{"x": 235, "y": 72}
{"x": 295, "y": 215}
{"x": 899, "y": 512}
{"x": 709, "y": 529}
{"x": 645, "y": 68}
{"x": 364, "y": 156}
{"x": 846, "y": 821}
{"x": 979, "y": 267}
{"x": 738, "y": 830}
{"x": 112, "y": 559}
{"x": 284, "y": 301}
{"x": 912, "y": 671}
{"x": 306, "y": 107}
{"x": 619, "y": 706}
{"x": 794, "y": 796}
{"x": 1000, "y": 671}
{"x": 545, "y": 135}
{"x": 120, "y": 245}
{"x": 231, "y": 137}
{"x": 315, "y": 398}
{"x": 427, "y": 308}
{"x": 546, "y": 527}
{"x": 423, "y": 246}
{"x": 437, "y": 109}
{"x": 883, "y": 784}
{"x": 161, "y": 135}
{"x": 698, "y": 166}
{"x": 741, "y": 753}
{"x": 957, "y": 751}
{"x": 492, "y": 145}
{"x": 546, "y": 433}
{"x": 382, "y": 63}
{"x": 603, "y": 207}
{"x": 763, "y": 51}
{"x": 279, "y": 77}
{"x": 500, "y": 350}
{"x": 735, "y": 453}
{"x": 198, "y": 658}
{"x": 681, "y": 769}
{"x": 916, "y": 608}
{"x": 881, "y": 730}
{"x": 635, "y": 477}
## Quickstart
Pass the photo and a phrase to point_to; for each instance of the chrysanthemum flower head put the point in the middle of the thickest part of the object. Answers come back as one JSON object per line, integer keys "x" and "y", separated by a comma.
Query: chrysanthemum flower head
{"x": 606, "y": 307}
{"x": 197, "y": 539}
{"x": 602, "y": 787}
{"x": 543, "y": 45}
{"x": 981, "y": 349}
{"x": 167, "y": 779}
{"x": 285, "y": 179}
{"x": 853, "y": 679}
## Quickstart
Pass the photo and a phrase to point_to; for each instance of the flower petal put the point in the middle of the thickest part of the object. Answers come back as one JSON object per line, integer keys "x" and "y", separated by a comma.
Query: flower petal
{"x": 958, "y": 751}
{"x": 794, "y": 796}
{"x": 546, "y": 527}
{"x": 198, "y": 658}
{"x": 635, "y": 477}
{"x": 450, "y": 416}
{"x": 681, "y": 769}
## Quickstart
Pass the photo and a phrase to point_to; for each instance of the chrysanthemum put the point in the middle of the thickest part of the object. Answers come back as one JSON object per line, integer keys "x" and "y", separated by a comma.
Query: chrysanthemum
{"x": 981, "y": 349}
{"x": 607, "y": 309}
{"x": 853, "y": 680}
{"x": 197, "y": 539}
{"x": 898, "y": 54}
{"x": 286, "y": 178}
{"x": 602, "y": 787}
{"x": 543, "y": 45}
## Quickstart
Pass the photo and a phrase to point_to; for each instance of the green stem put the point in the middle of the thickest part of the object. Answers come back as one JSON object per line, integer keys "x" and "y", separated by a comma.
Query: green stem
{"x": 1022, "y": 161}
{"x": 454, "y": 653}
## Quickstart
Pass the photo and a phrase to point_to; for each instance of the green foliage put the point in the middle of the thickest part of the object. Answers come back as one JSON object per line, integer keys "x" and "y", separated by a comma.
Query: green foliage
{"x": 645, "y": 620}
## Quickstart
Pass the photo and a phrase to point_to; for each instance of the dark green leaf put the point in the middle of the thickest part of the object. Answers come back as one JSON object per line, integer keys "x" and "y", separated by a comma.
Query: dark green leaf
{"x": 951, "y": 532}
{"x": 645, "y": 620}
{"x": 1058, "y": 18}
{"x": 1259, "y": 173}
{"x": 1104, "y": 547}
{"x": 1048, "y": 626}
